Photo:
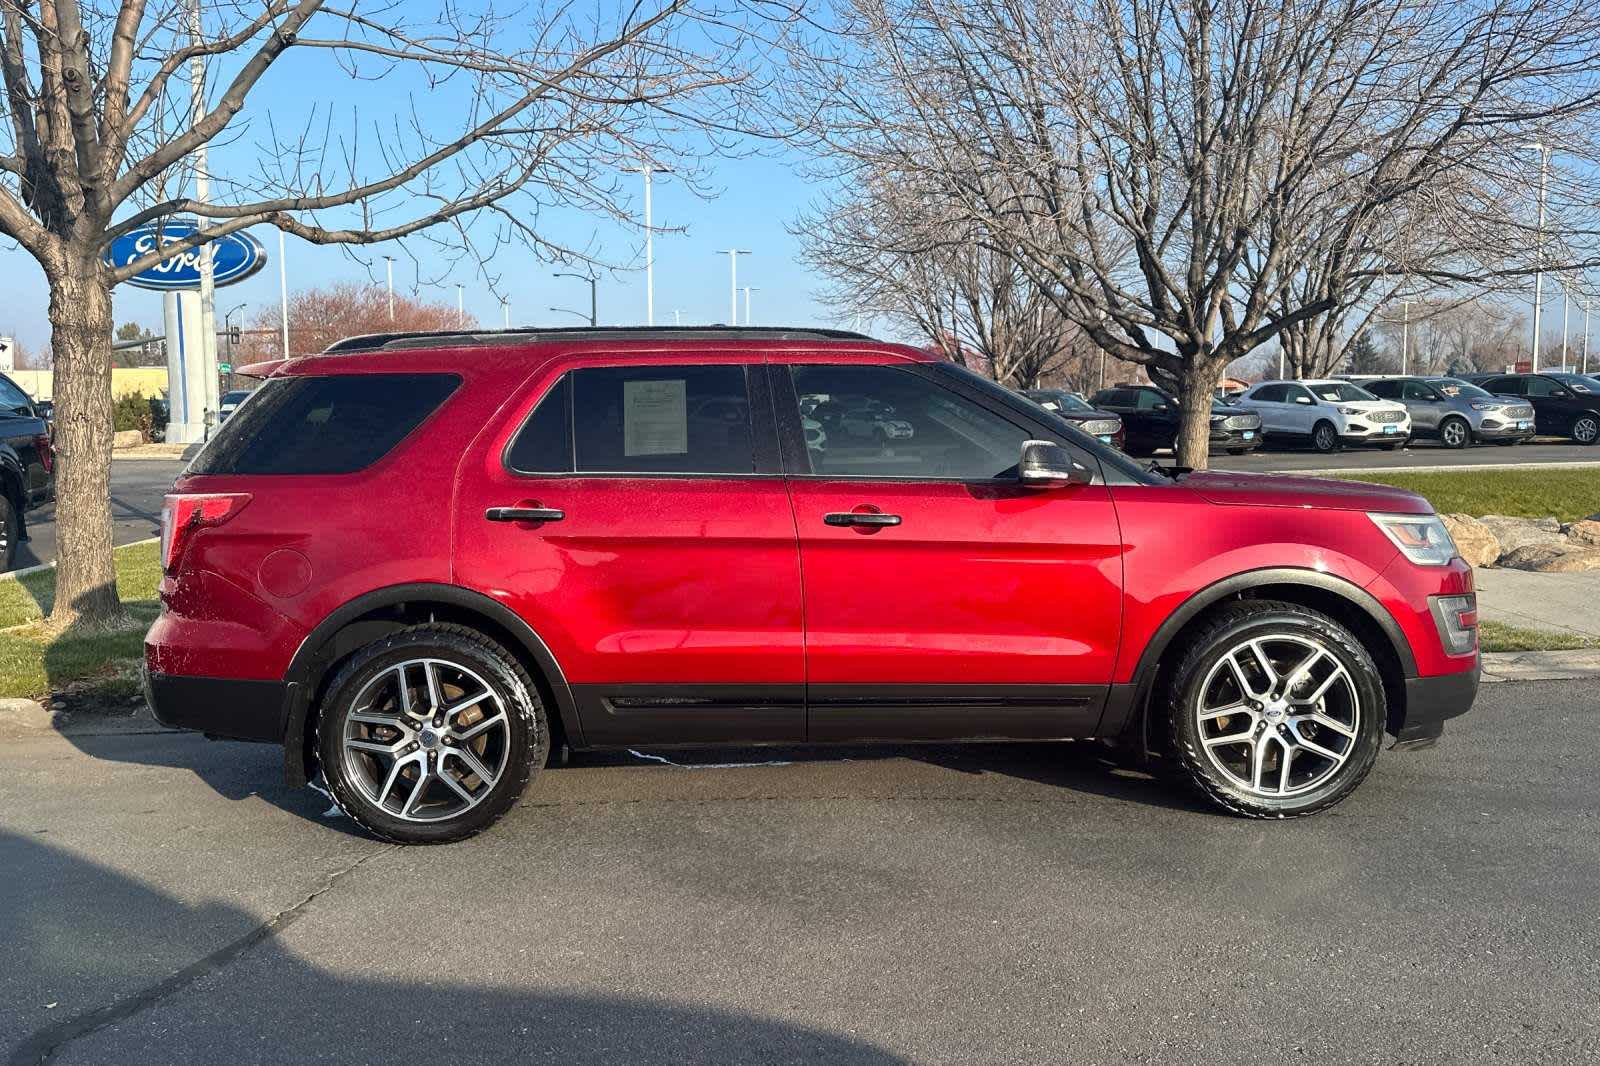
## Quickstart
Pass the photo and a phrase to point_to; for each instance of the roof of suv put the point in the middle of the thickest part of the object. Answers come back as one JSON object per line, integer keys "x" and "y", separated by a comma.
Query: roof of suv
{"x": 373, "y": 351}
{"x": 370, "y": 342}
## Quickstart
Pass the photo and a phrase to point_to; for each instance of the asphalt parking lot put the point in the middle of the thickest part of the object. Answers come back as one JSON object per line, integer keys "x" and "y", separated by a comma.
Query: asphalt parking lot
{"x": 167, "y": 900}
{"x": 137, "y": 486}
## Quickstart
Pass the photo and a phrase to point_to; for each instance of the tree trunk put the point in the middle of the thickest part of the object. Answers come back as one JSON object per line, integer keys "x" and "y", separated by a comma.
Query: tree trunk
{"x": 80, "y": 339}
{"x": 1196, "y": 390}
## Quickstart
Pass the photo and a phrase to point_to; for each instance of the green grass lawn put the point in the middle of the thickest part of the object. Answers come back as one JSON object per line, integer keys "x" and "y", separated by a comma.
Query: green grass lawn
{"x": 1567, "y": 494}
{"x": 1497, "y": 636}
{"x": 33, "y": 660}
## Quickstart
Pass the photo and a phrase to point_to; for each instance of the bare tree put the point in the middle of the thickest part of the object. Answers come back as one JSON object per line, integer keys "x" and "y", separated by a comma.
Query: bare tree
{"x": 101, "y": 137}
{"x": 884, "y": 257}
{"x": 1169, "y": 169}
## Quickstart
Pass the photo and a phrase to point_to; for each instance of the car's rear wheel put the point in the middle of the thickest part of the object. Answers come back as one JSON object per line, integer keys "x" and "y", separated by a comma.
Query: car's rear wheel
{"x": 1324, "y": 438}
{"x": 10, "y": 532}
{"x": 1276, "y": 710}
{"x": 1586, "y": 430}
{"x": 1455, "y": 433}
{"x": 430, "y": 734}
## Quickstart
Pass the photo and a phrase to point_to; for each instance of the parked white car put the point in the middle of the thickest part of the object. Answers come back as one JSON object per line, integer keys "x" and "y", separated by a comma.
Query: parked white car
{"x": 1327, "y": 414}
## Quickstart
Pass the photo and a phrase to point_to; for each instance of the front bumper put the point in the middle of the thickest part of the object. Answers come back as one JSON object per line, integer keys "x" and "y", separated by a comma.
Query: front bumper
{"x": 1236, "y": 439}
{"x": 220, "y": 706}
{"x": 1362, "y": 433}
{"x": 1432, "y": 701}
{"x": 1499, "y": 429}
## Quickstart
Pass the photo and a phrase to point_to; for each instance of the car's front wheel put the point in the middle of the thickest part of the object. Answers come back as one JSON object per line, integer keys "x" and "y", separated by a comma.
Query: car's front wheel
{"x": 430, "y": 734}
{"x": 1455, "y": 433}
{"x": 1324, "y": 438}
{"x": 1586, "y": 430}
{"x": 1276, "y": 710}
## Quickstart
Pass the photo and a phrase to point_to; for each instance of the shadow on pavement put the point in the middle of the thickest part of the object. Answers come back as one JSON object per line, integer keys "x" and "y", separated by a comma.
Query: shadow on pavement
{"x": 147, "y": 964}
{"x": 236, "y": 770}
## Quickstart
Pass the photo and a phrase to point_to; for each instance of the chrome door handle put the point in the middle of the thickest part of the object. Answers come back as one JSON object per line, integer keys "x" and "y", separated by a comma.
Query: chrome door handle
{"x": 860, "y": 518}
{"x": 524, "y": 514}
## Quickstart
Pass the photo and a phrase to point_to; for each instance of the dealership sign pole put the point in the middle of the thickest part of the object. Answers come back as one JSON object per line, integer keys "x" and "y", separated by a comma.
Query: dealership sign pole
{"x": 234, "y": 257}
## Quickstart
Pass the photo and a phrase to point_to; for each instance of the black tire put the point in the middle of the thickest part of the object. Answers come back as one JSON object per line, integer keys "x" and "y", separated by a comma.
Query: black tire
{"x": 1586, "y": 429}
{"x": 526, "y": 738}
{"x": 1455, "y": 433}
{"x": 1324, "y": 437}
{"x": 10, "y": 532}
{"x": 1388, "y": 447}
{"x": 1265, "y": 620}
{"x": 1237, "y": 451}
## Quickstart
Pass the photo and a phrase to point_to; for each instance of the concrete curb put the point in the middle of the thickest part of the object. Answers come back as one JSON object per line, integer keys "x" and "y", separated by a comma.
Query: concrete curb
{"x": 1576, "y": 464}
{"x": 1540, "y": 665}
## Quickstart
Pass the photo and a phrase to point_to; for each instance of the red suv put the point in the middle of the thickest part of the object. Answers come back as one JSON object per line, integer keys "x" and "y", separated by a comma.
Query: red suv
{"x": 423, "y": 562}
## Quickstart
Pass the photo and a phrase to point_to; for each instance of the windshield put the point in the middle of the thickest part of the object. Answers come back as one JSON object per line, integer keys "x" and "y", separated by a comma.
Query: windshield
{"x": 1458, "y": 388}
{"x": 1341, "y": 392}
{"x": 1579, "y": 382}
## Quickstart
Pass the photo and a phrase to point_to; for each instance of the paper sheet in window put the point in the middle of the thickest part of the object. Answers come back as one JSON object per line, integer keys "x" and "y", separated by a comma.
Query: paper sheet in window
{"x": 655, "y": 418}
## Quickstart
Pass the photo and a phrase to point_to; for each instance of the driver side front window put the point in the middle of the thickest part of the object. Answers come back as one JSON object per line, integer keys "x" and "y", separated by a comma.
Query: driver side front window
{"x": 885, "y": 422}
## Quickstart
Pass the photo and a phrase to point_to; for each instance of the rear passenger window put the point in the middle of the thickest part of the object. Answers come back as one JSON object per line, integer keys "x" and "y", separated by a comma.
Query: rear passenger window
{"x": 544, "y": 445}
{"x": 322, "y": 425}
{"x": 662, "y": 420}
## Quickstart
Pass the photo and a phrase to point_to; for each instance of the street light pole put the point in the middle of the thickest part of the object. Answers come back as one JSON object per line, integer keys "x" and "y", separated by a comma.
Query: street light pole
{"x": 594, "y": 299}
{"x": 461, "y": 307}
{"x": 733, "y": 255}
{"x": 648, "y": 170}
{"x": 505, "y": 311}
{"x": 1405, "y": 335}
{"x": 1538, "y": 267}
{"x": 283, "y": 295}
{"x": 1587, "y": 301}
{"x": 677, "y": 317}
{"x": 389, "y": 259}
{"x": 1564, "y": 297}
{"x": 747, "y": 291}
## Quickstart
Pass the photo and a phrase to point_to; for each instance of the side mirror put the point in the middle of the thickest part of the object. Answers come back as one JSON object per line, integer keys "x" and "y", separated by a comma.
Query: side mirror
{"x": 1045, "y": 465}
{"x": 1304, "y": 399}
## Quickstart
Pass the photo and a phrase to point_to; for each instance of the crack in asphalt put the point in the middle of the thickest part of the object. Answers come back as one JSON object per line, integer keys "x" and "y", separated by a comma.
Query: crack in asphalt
{"x": 43, "y": 1045}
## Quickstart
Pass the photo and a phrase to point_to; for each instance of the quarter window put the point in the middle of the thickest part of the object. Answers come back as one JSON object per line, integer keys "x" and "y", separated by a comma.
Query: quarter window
{"x": 662, "y": 420}
{"x": 544, "y": 444}
{"x": 1540, "y": 387}
{"x": 885, "y": 422}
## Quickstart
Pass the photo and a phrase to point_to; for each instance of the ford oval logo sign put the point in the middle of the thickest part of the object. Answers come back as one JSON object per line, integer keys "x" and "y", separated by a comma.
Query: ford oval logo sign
{"x": 233, "y": 258}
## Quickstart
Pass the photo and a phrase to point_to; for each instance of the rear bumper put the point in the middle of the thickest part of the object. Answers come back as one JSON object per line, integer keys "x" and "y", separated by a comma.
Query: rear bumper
{"x": 1432, "y": 701}
{"x": 220, "y": 706}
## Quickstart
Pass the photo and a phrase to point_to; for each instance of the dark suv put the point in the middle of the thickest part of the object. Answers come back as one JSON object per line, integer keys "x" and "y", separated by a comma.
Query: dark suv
{"x": 27, "y": 466}
{"x": 1564, "y": 405}
{"x": 422, "y": 563}
{"x": 1150, "y": 416}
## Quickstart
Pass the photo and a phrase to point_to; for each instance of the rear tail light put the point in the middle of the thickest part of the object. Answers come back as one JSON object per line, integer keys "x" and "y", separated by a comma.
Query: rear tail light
{"x": 1457, "y": 619}
{"x": 46, "y": 450}
{"x": 184, "y": 514}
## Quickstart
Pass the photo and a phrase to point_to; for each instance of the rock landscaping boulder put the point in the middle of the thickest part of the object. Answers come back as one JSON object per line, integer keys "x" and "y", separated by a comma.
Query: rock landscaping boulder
{"x": 1585, "y": 533}
{"x": 1476, "y": 542}
{"x": 1552, "y": 559}
{"x": 1514, "y": 533}
{"x": 127, "y": 438}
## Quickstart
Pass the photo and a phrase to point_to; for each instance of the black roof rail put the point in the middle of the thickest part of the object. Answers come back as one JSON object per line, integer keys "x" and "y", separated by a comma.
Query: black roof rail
{"x": 491, "y": 338}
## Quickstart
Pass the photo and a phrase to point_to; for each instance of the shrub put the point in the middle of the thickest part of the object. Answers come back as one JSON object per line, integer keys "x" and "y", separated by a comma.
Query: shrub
{"x": 131, "y": 411}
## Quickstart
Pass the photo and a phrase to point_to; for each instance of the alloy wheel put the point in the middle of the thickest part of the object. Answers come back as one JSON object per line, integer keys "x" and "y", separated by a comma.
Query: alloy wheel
{"x": 1278, "y": 715}
{"x": 1324, "y": 438}
{"x": 426, "y": 740}
{"x": 1585, "y": 430}
{"x": 1454, "y": 433}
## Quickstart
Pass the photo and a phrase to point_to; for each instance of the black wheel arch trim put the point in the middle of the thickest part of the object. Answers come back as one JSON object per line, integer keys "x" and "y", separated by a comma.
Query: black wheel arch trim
{"x": 307, "y": 669}
{"x": 1135, "y": 705}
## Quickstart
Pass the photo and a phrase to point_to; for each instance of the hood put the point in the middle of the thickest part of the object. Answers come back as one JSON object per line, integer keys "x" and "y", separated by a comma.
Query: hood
{"x": 1230, "y": 488}
{"x": 1368, "y": 405}
{"x": 1090, "y": 415}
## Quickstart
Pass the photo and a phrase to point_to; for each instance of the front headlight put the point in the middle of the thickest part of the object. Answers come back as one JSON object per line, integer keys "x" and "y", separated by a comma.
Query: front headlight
{"x": 1485, "y": 405}
{"x": 1349, "y": 410}
{"x": 1422, "y": 538}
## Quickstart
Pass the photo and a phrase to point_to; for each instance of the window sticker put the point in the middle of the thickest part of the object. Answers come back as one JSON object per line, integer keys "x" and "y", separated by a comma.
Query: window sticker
{"x": 655, "y": 418}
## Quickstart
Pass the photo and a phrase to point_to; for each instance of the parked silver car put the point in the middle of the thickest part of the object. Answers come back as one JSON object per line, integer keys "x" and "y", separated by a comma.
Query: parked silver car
{"x": 1456, "y": 412}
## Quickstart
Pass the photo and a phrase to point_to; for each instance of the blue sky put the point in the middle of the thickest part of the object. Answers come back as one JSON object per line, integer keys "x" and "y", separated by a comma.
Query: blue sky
{"x": 758, "y": 197}
{"x": 755, "y": 197}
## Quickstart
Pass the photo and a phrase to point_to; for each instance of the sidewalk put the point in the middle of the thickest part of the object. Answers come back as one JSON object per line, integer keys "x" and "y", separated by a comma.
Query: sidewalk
{"x": 1567, "y": 603}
